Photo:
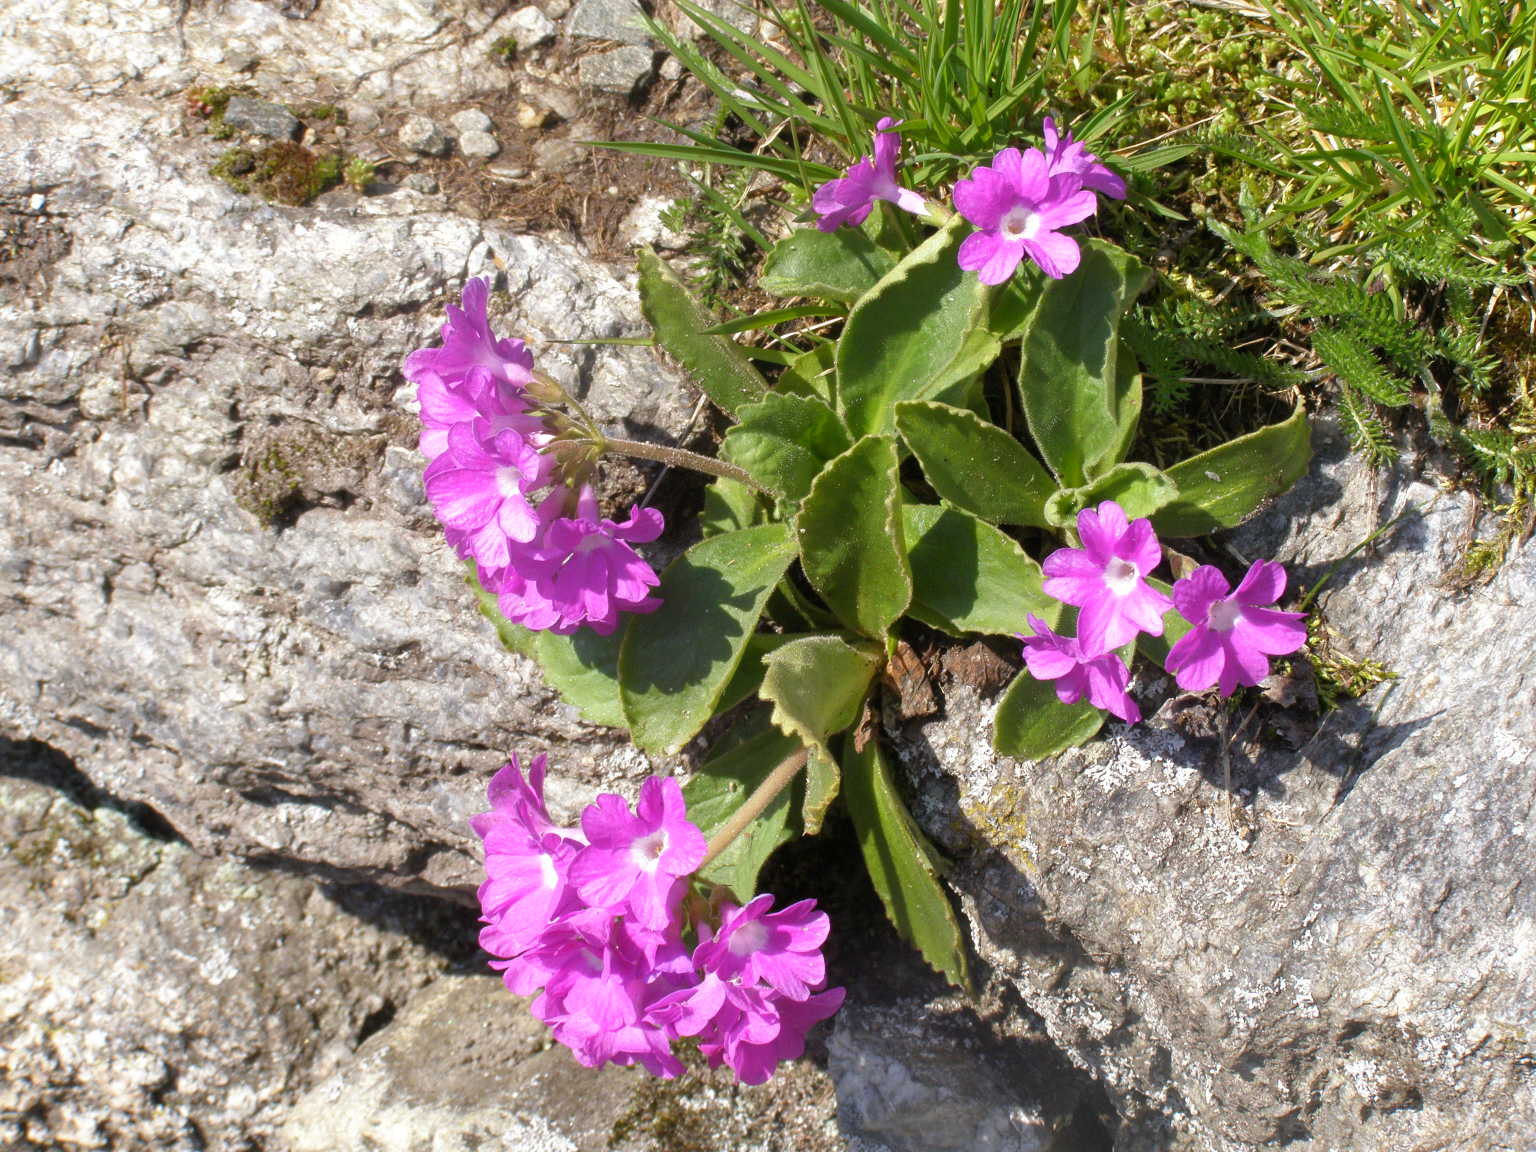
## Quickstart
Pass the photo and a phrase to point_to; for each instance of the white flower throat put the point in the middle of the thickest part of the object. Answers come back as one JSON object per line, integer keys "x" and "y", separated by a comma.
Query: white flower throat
{"x": 1020, "y": 223}
{"x": 1121, "y": 576}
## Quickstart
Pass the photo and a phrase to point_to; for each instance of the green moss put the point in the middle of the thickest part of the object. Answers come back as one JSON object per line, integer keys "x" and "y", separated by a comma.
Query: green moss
{"x": 1339, "y": 678}
{"x": 658, "y": 1117}
{"x": 283, "y": 171}
{"x": 359, "y": 173}
{"x": 234, "y": 167}
{"x": 269, "y": 486}
{"x": 504, "y": 49}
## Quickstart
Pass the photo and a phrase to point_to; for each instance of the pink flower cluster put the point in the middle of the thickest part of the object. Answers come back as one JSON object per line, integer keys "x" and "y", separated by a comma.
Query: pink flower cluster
{"x": 537, "y": 542}
{"x": 1233, "y": 633}
{"x": 1018, "y": 204}
{"x": 591, "y": 921}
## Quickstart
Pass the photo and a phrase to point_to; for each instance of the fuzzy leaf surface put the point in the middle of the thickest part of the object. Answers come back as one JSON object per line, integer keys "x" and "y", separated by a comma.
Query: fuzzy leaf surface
{"x": 900, "y": 863}
{"x": 675, "y": 663}
{"x": 1069, "y": 377}
{"x": 850, "y": 537}
{"x": 975, "y": 465}
{"x": 1032, "y": 723}
{"x": 839, "y": 266}
{"x": 916, "y": 333}
{"x": 783, "y": 442}
{"x": 715, "y": 363}
{"x": 969, "y": 577}
{"x": 1223, "y": 487}
{"x": 1138, "y": 488}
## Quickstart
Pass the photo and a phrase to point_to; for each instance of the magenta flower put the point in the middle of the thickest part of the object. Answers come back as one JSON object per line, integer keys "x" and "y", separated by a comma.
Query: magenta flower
{"x": 1234, "y": 634}
{"x": 849, "y": 199}
{"x": 754, "y": 1003}
{"x": 1066, "y": 155}
{"x": 481, "y": 489}
{"x": 1102, "y": 677}
{"x": 633, "y": 860}
{"x": 1017, "y": 207}
{"x": 781, "y": 949}
{"x": 598, "y": 995}
{"x": 479, "y": 395}
{"x": 469, "y": 343}
{"x": 527, "y": 860}
{"x": 1106, "y": 578}
{"x": 581, "y": 571}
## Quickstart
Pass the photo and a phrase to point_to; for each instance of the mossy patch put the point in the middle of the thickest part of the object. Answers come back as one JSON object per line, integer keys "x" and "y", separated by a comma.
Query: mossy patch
{"x": 283, "y": 172}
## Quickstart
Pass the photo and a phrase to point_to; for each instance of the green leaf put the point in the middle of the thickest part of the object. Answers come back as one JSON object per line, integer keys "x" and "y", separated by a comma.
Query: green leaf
{"x": 810, "y": 373}
{"x": 916, "y": 333}
{"x": 675, "y": 663}
{"x": 840, "y": 265}
{"x": 1072, "y": 394}
{"x": 1127, "y": 409}
{"x": 969, "y": 577}
{"x": 582, "y": 667}
{"x": 816, "y": 685}
{"x": 783, "y": 442}
{"x": 1138, "y": 488}
{"x": 1155, "y": 648}
{"x": 1223, "y": 487}
{"x": 975, "y": 465}
{"x": 901, "y": 865}
{"x": 716, "y": 364}
{"x": 851, "y": 540}
{"x": 729, "y": 505}
{"x": 1032, "y": 723}
{"x": 719, "y": 788}
{"x": 748, "y": 677}
{"x": 822, "y": 781}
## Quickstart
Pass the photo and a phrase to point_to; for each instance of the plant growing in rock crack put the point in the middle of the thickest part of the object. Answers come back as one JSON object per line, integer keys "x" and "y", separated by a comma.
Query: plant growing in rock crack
{"x": 970, "y": 419}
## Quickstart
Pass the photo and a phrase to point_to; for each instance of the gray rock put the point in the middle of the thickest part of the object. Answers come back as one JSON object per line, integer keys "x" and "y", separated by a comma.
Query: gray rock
{"x": 558, "y": 154}
{"x": 619, "y": 20}
{"x": 301, "y": 673}
{"x": 470, "y": 120}
{"x": 420, "y": 182}
{"x": 531, "y": 28}
{"x": 262, "y": 117}
{"x": 742, "y": 17}
{"x": 152, "y": 999}
{"x": 913, "y": 1078}
{"x": 620, "y": 70}
{"x": 644, "y": 225}
{"x": 420, "y": 134}
{"x": 1331, "y": 957}
{"x": 465, "y": 1067}
{"x": 479, "y": 145}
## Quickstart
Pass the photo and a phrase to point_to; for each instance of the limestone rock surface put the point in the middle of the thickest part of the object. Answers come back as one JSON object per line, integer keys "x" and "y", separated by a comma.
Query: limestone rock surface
{"x": 1338, "y": 954}
{"x": 231, "y": 600}
{"x": 466, "y": 1069}
{"x": 151, "y": 999}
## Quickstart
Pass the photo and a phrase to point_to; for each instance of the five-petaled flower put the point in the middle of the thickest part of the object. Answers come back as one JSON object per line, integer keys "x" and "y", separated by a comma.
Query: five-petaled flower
{"x": 1018, "y": 207}
{"x": 1101, "y": 676}
{"x": 1235, "y": 631}
{"x": 849, "y": 198}
{"x": 1107, "y": 579}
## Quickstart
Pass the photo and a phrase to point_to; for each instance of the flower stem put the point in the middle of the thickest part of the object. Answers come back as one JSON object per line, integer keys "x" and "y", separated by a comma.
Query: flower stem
{"x": 680, "y": 458}
{"x": 755, "y": 804}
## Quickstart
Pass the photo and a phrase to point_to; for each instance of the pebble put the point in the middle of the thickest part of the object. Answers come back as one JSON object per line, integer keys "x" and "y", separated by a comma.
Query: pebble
{"x": 37, "y": 202}
{"x": 262, "y": 117}
{"x": 470, "y": 120}
{"x": 556, "y": 9}
{"x": 530, "y": 28}
{"x": 532, "y": 118}
{"x": 421, "y": 135}
{"x": 620, "y": 20}
{"x": 420, "y": 182}
{"x": 621, "y": 70}
{"x": 558, "y": 154}
{"x": 481, "y": 145}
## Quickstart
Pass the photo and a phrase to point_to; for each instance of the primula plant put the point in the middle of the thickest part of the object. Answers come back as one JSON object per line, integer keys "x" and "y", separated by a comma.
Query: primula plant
{"x": 954, "y": 457}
